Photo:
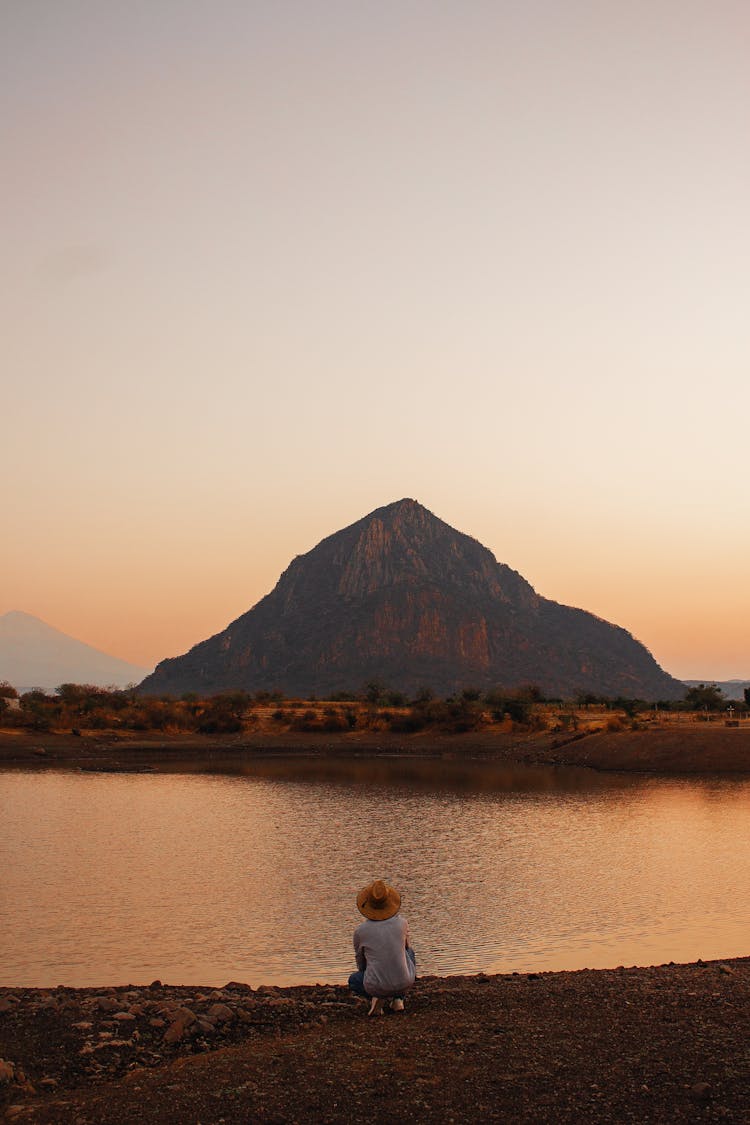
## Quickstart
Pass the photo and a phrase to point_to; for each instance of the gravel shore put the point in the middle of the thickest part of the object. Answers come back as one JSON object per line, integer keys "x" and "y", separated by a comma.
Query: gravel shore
{"x": 661, "y": 1044}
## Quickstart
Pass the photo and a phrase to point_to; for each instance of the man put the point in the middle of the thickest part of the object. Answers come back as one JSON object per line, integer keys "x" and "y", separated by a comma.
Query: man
{"x": 386, "y": 963}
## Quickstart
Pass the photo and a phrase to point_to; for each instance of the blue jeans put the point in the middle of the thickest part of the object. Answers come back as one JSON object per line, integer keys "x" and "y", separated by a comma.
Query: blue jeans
{"x": 357, "y": 980}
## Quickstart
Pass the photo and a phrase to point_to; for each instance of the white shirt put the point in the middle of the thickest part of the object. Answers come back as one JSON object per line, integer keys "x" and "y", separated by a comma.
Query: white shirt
{"x": 380, "y": 949}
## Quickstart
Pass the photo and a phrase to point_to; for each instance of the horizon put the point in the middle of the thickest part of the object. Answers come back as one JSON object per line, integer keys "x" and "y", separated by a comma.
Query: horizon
{"x": 149, "y": 666}
{"x": 266, "y": 267}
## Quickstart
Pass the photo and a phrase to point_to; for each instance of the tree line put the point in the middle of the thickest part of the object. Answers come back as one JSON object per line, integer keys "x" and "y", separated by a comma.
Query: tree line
{"x": 79, "y": 707}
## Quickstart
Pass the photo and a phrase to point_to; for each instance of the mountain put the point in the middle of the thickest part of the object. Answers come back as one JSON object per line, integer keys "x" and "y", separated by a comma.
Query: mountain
{"x": 33, "y": 654}
{"x": 403, "y": 598}
{"x": 733, "y": 689}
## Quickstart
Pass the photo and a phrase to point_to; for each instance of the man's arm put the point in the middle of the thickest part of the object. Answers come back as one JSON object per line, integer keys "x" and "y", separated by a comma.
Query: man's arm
{"x": 359, "y": 953}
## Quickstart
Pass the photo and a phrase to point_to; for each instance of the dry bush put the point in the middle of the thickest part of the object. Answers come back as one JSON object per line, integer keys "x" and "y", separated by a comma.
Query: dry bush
{"x": 307, "y": 721}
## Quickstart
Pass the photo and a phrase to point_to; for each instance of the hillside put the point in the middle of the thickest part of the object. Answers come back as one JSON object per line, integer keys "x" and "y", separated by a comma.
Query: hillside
{"x": 403, "y": 598}
{"x": 732, "y": 689}
{"x": 34, "y": 654}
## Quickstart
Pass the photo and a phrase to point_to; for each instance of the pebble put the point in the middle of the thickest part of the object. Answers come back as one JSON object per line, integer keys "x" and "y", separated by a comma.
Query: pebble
{"x": 700, "y": 1091}
{"x": 107, "y": 1003}
{"x": 220, "y": 1013}
{"x": 184, "y": 1015}
{"x": 182, "y": 1019}
{"x": 7, "y": 1071}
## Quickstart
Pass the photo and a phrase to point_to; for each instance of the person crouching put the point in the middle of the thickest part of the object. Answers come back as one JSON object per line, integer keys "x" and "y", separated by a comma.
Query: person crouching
{"x": 386, "y": 962}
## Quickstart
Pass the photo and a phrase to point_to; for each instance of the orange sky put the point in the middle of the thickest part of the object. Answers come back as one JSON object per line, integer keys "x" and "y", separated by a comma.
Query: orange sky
{"x": 267, "y": 267}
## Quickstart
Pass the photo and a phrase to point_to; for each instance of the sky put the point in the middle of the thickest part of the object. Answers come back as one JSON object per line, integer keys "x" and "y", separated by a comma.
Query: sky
{"x": 268, "y": 266}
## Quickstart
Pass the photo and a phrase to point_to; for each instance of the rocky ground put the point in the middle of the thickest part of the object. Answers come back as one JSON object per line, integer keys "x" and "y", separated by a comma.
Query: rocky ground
{"x": 663, "y": 1044}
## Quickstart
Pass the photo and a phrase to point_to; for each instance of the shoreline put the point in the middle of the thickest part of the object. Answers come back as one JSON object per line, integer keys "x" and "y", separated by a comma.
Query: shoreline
{"x": 669, "y": 749}
{"x": 654, "y": 1043}
{"x": 643, "y": 1044}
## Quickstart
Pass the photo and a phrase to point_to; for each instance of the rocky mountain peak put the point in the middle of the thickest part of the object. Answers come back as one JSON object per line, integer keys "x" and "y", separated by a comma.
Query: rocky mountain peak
{"x": 402, "y": 597}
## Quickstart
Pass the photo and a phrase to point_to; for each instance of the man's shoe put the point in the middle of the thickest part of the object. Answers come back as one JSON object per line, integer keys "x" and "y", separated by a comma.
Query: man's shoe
{"x": 397, "y": 1004}
{"x": 376, "y": 1007}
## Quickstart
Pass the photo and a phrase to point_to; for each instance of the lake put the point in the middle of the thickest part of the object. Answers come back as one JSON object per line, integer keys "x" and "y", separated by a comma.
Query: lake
{"x": 202, "y": 878}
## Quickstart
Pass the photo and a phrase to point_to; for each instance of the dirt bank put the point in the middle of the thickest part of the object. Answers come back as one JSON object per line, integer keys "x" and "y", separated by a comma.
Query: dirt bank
{"x": 669, "y": 748}
{"x": 642, "y": 1045}
{"x": 678, "y": 749}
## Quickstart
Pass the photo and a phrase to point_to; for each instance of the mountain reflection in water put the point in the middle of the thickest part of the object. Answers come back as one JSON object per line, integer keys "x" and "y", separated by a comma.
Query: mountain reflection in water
{"x": 199, "y": 878}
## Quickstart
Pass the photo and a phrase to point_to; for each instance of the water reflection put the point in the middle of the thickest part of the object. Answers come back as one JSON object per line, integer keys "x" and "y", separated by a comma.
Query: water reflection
{"x": 424, "y": 773}
{"x": 204, "y": 878}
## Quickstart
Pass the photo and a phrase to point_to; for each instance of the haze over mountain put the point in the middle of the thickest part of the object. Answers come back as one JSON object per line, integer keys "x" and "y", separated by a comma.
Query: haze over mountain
{"x": 403, "y": 598}
{"x": 733, "y": 689}
{"x": 34, "y": 654}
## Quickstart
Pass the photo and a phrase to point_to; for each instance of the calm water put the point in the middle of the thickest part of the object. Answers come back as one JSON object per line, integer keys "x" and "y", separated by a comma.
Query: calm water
{"x": 202, "y": 879}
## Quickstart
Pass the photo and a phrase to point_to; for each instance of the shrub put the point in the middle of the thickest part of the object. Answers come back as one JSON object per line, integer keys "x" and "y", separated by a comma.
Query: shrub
{"x": 333, "y": 720}
{"x": 219, "y": 724}
{"x": 38, "y": 710}
{"x": 350, "y": 715}
{"x": 413, "y": 720}
{"x": 566, "y": 720}
{"x": 519, "y": 710}
{"x": 517, "y": 707}
{"x": 374, "y": 691}
{"x": 307, "y": 721}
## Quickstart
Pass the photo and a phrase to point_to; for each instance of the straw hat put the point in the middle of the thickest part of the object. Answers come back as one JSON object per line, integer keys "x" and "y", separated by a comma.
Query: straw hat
{"x": 378, "y": 901}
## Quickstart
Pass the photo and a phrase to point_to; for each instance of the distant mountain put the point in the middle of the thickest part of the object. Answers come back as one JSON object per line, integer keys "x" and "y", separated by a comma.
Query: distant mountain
{"x": 733, "y": 689}
{"x": 403, "y": 598}
{"x": 33, "y": 654}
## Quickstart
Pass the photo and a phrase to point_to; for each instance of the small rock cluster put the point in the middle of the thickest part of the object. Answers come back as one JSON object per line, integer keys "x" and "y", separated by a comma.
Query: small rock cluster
{"x": 60, "y": 1037}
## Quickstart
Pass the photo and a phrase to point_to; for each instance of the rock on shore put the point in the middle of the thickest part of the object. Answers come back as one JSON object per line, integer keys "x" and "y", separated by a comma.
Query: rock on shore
{"x": 667, "y": 1043}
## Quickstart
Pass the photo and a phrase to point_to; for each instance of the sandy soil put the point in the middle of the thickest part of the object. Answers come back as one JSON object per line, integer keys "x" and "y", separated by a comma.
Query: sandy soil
{"x": 663, "y": 1044}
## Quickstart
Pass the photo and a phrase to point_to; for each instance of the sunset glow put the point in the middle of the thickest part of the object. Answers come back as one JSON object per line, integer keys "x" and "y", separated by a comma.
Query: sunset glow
{"x": 269, "y": 267}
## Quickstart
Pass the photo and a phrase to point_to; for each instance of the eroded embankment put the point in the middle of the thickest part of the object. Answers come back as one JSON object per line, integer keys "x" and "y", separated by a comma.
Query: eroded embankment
{"x": 678, "y": 748}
